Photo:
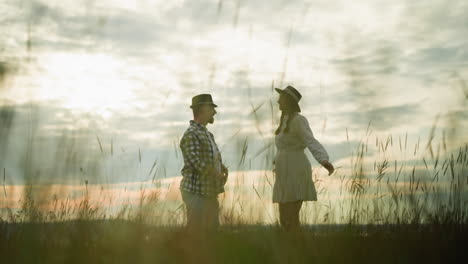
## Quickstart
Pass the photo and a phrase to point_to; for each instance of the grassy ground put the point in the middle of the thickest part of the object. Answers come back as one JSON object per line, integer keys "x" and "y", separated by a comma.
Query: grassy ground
{"x": 130, "y": 242}
{"x": 415, "y": 197}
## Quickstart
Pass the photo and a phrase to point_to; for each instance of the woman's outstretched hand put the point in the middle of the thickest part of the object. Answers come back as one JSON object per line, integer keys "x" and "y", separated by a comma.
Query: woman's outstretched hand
{"x": 328, "y": 166}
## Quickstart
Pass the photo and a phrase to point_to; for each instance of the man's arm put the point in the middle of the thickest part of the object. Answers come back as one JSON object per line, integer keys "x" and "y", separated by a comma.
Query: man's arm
{"x": 224, "y": 169}
{"x": 191, "y": 150}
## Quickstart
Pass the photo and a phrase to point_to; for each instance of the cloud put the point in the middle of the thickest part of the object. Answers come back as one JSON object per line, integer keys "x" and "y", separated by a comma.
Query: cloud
{"x": 384, "y": 117}
{"x": 126, "y": 71}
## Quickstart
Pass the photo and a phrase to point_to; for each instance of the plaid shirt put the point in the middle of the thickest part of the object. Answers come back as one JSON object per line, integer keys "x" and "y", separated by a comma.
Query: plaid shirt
{"x": 198, "y": 158}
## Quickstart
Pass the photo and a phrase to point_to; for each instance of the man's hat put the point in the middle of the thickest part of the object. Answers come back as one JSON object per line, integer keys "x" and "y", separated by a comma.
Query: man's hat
{"x": 291, "y": 91}
{"x": 202, "y": 99}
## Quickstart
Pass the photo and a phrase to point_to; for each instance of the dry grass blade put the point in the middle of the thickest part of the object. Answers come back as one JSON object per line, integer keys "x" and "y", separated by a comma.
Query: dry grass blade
{"x": 139, "y": 155}
{"x": 381, "y": 168}
{"x": 152, "y": 167}
{"x": 100, "y": 145}
{"x": 263, "y": 204}
{"x": 431, "y": 137}
{"x": 244, "y": 152}
{"x": 263, "y": 149}
{"x": 4, "y": 180}
{"x": 257, "y": 119}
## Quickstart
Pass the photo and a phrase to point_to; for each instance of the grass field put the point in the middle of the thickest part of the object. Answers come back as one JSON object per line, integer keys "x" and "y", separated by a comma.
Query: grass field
{"x": 414, "y": 212}
{"x": 110, "y": 241}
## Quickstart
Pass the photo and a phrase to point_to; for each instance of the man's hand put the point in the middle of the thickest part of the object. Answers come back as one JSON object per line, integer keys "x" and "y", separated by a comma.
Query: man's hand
{"x": 213, "y": 173}
{"x": 225, "y": 171}
{"x": 328, "y": 166}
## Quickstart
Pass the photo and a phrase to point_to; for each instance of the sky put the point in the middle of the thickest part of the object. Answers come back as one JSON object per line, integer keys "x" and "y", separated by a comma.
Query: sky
{"x": 99, "y": 91}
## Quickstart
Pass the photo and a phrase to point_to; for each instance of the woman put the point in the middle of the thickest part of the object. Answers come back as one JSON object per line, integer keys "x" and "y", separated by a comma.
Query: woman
{"x": 293, "y": 183}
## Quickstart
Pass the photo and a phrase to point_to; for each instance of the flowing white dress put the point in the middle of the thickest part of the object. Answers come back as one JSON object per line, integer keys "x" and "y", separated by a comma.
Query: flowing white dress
{"x": 293, "y": 172}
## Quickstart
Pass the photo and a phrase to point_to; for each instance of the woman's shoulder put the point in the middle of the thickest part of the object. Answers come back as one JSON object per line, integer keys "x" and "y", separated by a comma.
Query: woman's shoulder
{"x": 299, "y": 122}
{"x": 299, "y": 118}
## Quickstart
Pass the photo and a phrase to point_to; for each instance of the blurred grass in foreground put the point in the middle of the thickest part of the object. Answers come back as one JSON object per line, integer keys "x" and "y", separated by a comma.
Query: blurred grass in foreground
{"x": 417, "y": 215}
{"x": 113, "y": 241}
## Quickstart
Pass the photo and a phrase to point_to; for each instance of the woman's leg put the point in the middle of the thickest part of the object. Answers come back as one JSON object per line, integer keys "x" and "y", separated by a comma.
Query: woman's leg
{"x": 289, "y": 214}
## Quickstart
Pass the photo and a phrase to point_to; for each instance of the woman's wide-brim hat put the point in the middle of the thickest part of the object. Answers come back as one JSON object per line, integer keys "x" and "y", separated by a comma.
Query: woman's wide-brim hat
{"x": 202, "y": 99}
{"x": 291, "y": 91}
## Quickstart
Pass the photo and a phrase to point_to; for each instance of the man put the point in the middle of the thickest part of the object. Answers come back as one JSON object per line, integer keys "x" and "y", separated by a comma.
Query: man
{"x": 204, "y": 174}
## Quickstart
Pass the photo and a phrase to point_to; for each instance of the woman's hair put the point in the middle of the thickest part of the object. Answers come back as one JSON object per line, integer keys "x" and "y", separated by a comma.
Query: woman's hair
{"x": 290, "y": 107}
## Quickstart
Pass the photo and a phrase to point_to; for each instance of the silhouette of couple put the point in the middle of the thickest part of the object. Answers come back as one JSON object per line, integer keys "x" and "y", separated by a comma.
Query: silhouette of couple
{"x": 204, "y": 174}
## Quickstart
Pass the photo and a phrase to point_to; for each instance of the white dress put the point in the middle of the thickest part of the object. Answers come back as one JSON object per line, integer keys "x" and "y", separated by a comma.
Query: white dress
{"x": 293, "y": 177}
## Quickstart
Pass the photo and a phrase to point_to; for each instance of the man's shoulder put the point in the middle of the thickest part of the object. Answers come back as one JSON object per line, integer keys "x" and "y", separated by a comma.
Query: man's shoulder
{"x": 191, "y": 133}
{"x": 193, "y": 130}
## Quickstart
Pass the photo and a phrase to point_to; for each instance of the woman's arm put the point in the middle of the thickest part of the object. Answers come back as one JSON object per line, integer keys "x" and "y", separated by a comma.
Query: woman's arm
{"x": 302, "y": 128}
